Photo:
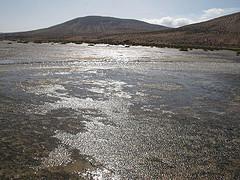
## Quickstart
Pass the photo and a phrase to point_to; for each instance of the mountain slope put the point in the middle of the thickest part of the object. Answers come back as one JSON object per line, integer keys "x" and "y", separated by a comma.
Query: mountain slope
{"x": 89, "y": 26}
{"x": 225, "y": 24}
{"x": 219, "y": 32}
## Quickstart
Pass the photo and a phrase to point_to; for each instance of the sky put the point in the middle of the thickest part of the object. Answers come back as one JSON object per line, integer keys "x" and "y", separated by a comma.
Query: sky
{"x": 23, "y": 15}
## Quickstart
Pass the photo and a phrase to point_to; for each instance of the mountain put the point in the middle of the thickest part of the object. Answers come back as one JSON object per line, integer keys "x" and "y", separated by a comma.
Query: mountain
{"x": 225, "y": 24}
{"x": 89, "y": 26}
{"x": 220, "y": 32}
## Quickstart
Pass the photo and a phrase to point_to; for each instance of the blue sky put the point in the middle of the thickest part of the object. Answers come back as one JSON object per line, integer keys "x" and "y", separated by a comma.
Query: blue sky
{"x": 20, "y": 15}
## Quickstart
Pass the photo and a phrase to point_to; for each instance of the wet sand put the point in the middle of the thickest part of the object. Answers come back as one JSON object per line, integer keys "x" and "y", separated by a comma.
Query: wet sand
{"x": 110, "y": 112}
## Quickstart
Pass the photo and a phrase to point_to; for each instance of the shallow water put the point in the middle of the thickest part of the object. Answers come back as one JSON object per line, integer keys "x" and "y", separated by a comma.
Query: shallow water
{"x": 110, "y": 112}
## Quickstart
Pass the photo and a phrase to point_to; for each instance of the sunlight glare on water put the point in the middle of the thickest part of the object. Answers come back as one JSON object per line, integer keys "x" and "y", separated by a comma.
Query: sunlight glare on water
{"x": 111, "y": 112}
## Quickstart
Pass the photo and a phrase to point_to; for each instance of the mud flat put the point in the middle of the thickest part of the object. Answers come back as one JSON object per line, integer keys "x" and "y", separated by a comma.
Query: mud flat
{"x": 72, "y": 111}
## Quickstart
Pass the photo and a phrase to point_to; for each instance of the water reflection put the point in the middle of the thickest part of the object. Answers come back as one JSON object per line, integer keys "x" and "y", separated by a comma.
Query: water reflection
{"x": 110, "y": 112}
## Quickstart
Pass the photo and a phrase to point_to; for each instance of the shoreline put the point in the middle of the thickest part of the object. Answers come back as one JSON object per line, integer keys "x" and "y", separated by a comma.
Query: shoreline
{"x": 128, "y": 44}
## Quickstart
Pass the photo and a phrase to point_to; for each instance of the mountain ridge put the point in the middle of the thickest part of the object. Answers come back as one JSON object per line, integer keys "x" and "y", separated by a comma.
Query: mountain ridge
{"x": 90, "y": 26}
{"x": 219, "y": 32}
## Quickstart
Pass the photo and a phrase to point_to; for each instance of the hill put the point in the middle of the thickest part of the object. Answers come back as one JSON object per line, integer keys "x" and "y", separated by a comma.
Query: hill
{"x": 90, "y": 26}
{"x": 222, "y": 32}
{"x": 225, "y": 24}
{"x": 219, "y": 32}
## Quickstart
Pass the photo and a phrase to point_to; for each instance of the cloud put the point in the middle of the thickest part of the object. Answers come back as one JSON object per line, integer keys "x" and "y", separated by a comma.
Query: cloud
{"x": 170, "y": 21}
{"x": 182, "y": 21}
{"x": 213, "y": 13}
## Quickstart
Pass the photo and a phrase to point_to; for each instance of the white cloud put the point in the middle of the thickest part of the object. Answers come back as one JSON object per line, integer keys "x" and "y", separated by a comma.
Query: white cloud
{"x": 213, "y": 13}
{"x": 170, "y": 21}
{"x": 182, "y": 21}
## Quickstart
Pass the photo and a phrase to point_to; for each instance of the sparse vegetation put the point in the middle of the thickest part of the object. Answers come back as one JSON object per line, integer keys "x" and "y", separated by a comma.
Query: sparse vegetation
{"x": 78, "y": 42}
{"x": 22, "y": 41}
{"x": 91, "y": 44}
{"x": 38, "y": 41}
{"x": 183, "y": 49}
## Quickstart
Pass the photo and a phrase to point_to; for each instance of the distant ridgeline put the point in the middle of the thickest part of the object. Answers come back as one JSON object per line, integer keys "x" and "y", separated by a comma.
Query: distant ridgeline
{"x": 223, "y": 32}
